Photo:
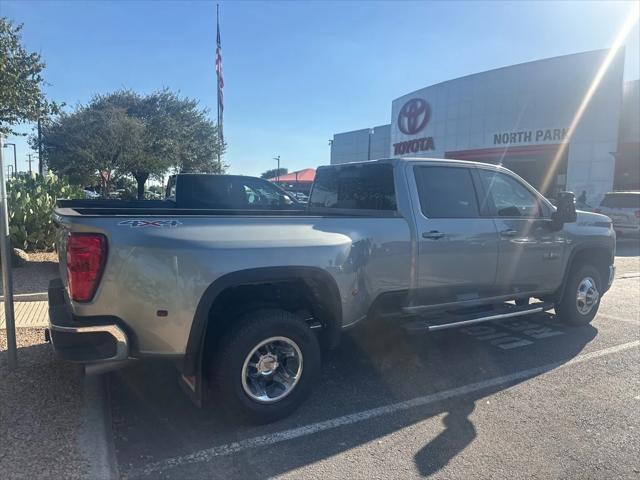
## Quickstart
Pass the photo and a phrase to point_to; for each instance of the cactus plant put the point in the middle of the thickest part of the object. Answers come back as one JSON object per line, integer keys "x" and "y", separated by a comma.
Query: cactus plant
{"x": 31, "y": 199}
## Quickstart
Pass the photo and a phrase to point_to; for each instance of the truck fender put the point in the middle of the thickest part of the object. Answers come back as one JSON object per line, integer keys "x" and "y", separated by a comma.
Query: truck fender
{"x": 255, "y": 276}
{"x": 602, "y": 247}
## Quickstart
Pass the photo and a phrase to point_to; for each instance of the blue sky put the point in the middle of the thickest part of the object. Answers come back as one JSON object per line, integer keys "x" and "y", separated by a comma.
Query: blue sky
{"x": 297, "y": 72}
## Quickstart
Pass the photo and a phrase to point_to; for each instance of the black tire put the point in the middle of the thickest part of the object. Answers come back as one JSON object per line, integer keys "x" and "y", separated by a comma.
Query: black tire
{"x": 567, "y": 309}
{"x": 250, "y": 330}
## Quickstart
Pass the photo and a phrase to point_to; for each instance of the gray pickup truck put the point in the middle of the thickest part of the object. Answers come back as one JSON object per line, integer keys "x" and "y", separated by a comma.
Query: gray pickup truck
{"x": 246, "y": 301}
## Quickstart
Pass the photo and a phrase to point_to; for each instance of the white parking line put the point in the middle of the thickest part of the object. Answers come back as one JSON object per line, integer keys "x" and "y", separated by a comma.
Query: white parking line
{"x": 277, "y": 437}
{"x": 628, "y": 275}
{"x": 619, "y": 319}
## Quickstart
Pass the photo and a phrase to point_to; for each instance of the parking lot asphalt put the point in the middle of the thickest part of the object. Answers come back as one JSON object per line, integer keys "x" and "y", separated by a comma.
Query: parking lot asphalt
{"x": 526, "y": 398}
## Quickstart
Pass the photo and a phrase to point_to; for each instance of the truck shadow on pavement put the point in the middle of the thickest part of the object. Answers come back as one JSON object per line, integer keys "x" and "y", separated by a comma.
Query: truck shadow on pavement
{"x": 374, "y": 366}
{"x": 498, "y": 358}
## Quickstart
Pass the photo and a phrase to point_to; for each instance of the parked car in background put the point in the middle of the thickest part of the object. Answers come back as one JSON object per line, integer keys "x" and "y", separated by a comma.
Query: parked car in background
{"x": 299, "y": 196}
{"x": 116, "y": 194}
{"x": 90, "y": 193}
{"x": 201, "y": 191}
{"x": 197, "y": 190}
{"x": 624, "y": 210}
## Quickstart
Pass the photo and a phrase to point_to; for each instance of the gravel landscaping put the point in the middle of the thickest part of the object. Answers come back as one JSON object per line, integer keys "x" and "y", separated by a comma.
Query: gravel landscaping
{"x": 40, "y": 412}
{"x": 34, "y": 276}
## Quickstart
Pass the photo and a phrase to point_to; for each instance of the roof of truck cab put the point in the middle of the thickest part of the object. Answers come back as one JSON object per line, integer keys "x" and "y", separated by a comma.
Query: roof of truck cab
{"x": 401, "y": 160}
{"x": 204, "y": 174}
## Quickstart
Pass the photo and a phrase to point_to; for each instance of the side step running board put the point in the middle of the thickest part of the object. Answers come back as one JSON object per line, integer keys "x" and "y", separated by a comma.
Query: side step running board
{"x": 461, "y": 321}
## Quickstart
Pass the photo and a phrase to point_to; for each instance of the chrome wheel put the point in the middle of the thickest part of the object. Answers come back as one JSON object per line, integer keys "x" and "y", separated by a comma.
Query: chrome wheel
{"x": 587, "y": 295}
{"x": 272, "y": 369}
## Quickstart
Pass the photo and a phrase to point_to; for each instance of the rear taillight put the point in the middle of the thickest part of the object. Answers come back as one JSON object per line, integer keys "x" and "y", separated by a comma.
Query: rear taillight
{"x": 86, "y": 255}
{"x": 637, "y": 213}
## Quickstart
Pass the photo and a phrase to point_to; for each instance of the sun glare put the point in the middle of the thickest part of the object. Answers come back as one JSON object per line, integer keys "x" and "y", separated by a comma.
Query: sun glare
{"x": 625, "y": 29}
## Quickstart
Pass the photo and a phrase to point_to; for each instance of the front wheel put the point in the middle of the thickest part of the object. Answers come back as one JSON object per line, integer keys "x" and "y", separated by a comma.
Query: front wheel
{"x": 581, "y": 298}
{"x": 267, "y": 365}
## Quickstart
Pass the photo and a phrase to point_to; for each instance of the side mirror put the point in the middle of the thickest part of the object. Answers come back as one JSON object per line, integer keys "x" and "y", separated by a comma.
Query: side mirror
{"x": 565, "y": 209}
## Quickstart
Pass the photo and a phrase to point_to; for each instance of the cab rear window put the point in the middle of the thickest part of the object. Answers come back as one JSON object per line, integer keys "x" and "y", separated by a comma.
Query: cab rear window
{"x": 360, "y": 187}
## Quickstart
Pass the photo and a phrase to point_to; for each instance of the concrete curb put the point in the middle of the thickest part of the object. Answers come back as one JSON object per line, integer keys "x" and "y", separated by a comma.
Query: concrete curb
{"x": 95, "y": 438}
{"x": 28, "y": 297}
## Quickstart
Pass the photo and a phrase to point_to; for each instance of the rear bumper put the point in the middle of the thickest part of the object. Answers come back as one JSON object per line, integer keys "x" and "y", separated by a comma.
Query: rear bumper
{"x": 83, "y": 341}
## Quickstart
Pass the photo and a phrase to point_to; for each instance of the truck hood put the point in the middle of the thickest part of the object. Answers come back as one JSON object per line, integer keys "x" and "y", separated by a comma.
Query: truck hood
{"x": 592, "y": 219}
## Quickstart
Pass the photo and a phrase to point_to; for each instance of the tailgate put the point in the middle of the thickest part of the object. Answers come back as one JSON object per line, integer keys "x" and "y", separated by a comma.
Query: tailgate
{"x": 62, "y": 233}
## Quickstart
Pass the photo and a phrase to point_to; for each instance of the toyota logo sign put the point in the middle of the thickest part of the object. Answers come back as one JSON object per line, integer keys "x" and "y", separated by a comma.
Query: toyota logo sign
{"x": 414, "y": 116}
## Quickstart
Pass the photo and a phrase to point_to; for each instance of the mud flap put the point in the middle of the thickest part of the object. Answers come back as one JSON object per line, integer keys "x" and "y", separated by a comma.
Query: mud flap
{"x": 192, "y": 386}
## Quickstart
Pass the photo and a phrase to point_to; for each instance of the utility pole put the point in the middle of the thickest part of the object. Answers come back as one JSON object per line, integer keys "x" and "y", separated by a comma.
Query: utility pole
{"x": 15, "y": 160}
{"x": 278, "y": 170}
{"x": 40, "y": 166}
{"x": 7, "y": 280}
{"x": 29, "y": 155}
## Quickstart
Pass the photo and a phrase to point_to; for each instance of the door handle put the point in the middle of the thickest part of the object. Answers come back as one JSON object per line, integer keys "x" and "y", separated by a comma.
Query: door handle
{"x": 433, "y": 235}
{"x": 508, "y": 233}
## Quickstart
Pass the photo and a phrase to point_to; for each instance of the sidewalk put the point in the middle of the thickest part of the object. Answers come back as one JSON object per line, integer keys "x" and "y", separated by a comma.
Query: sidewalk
{"x": 27, "y": 314}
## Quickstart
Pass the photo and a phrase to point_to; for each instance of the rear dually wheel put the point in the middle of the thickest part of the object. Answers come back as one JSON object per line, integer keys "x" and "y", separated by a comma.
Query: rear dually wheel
{"x": 267, "y": 365}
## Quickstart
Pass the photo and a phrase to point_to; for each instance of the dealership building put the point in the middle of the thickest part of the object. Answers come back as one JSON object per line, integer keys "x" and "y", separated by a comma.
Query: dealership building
{"x": 561, "y": 123}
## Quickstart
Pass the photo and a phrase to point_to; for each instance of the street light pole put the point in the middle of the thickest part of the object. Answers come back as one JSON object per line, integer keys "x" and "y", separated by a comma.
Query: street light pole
{"x": 278, "y": 170}
{"x": 15, "y": 159}
{"x": 29, "y": 155}
{"x": 7, "y": 280}
{"x": 40, "y": 165}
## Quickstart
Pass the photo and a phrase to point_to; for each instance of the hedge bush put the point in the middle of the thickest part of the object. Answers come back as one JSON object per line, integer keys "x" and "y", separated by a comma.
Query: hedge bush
{"x": 31, "y": 199}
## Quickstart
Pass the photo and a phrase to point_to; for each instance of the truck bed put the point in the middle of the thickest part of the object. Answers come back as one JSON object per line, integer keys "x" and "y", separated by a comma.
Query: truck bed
{"x": 105, "y": 207}
{"x": 108, "y": 207}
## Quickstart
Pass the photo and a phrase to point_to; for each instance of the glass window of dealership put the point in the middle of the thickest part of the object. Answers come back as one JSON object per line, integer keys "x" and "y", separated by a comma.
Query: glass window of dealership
{"x": 519, "y": 116}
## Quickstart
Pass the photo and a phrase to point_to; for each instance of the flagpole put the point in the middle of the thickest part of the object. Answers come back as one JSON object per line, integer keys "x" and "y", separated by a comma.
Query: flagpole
{"x": 218, "y": 87}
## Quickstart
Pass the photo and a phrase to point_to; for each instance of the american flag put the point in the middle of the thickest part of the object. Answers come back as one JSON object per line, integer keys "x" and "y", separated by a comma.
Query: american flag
{"x": 220, "y": 77}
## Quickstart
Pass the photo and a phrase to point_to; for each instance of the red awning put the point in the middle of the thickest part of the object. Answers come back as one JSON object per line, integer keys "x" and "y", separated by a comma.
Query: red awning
{"x": 302, "y": 176}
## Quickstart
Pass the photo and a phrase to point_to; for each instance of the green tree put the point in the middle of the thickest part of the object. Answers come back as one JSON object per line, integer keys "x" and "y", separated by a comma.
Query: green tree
{"x": 274, "y": 172}
{"x": 21, "y": 96}
{"x": 91, "y": 145}
{"x": 130, "y": 134}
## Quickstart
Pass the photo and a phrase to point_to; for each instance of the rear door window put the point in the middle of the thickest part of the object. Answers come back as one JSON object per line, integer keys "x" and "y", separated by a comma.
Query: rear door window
{"x": 360, "y": 187}
{"x": 446, "y": 192}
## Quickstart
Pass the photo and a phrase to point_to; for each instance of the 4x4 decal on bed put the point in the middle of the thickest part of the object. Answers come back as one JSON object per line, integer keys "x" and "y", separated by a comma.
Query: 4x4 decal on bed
{"x": 149, "y": 223}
